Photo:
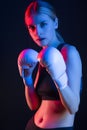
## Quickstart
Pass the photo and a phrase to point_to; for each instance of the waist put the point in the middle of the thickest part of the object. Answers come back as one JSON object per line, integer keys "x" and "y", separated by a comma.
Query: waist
{"x": 52, "y": 114}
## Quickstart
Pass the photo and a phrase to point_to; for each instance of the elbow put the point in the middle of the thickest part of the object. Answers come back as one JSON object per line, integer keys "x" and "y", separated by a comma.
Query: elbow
{"x": 33, "y": 108}
{"x": 74, "y": 108}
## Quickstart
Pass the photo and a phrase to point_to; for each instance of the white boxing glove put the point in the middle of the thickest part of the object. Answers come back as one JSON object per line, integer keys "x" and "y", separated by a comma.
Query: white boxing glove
{"x": 27, "y": 61}
{"x": 52, "y": 59}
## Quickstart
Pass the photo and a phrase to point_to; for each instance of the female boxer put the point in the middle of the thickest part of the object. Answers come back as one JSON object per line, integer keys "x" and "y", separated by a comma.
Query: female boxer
{"x": 54, "y": 94}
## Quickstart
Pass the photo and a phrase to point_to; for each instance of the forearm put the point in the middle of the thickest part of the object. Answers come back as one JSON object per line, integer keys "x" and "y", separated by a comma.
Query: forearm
{"x": 32, "y": 98}
{"x": 69, "y": 99}
{"x": 68, "y": 96}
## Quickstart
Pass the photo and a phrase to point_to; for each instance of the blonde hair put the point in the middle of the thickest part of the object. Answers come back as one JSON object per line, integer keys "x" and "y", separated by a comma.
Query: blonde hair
{"x": 40, "y": 6}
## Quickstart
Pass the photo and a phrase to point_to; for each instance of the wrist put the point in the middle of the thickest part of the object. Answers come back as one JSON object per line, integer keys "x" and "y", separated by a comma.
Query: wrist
{"x": 28, "y": 81}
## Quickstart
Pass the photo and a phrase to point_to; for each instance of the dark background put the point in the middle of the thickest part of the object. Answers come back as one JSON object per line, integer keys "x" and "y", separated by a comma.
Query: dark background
{"x": 14, "y": 112}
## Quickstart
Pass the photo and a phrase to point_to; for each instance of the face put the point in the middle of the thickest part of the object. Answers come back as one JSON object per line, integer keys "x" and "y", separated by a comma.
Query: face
{"x": 42, "y": 29}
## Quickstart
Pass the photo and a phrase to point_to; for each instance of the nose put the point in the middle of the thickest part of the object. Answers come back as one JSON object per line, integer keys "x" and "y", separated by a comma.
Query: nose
{"x": 38, "y": 30}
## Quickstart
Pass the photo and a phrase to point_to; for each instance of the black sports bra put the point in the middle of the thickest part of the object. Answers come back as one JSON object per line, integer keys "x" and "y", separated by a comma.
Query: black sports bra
{"x": 45, "y": 86}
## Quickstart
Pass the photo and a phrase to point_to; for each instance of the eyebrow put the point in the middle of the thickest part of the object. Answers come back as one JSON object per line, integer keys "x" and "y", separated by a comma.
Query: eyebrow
{"x": 40, "y": 22}
{"x": 44, "y": 21}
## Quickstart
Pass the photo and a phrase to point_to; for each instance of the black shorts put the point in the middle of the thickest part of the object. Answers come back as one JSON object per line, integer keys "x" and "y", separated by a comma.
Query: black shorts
{"x": 31, "y": 126}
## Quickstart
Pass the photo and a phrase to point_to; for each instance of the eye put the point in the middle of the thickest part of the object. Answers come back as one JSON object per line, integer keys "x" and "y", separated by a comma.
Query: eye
{"x": 43, "y": 24}
{"x": 31, "y": 28}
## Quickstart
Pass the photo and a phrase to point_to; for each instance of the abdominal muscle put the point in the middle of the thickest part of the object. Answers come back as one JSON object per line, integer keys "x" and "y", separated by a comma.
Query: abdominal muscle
{"x": 52, "y": 114}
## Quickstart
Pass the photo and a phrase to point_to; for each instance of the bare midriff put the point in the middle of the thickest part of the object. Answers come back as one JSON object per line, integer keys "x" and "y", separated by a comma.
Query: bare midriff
{"x": 52, "y": 114}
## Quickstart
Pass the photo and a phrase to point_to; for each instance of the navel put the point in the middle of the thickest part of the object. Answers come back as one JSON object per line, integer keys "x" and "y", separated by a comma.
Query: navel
{"x": 41, "y": 120}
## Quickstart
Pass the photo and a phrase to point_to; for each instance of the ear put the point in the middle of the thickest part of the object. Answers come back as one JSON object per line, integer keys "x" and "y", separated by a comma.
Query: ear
{"x": 56, "y": 23}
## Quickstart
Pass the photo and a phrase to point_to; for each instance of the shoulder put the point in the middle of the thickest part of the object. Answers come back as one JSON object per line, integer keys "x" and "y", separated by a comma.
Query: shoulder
{"x": 72, "y": 58}
{"x": 69, "y": 48}
{"x": 70, "y": 52}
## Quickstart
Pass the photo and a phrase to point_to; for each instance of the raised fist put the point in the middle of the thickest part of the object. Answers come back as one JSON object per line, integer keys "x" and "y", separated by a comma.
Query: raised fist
{"x": 27, "y": 61}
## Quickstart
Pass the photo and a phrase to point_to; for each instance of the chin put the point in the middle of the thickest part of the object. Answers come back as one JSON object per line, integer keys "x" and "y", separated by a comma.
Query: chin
{"x": 42, "y": 44}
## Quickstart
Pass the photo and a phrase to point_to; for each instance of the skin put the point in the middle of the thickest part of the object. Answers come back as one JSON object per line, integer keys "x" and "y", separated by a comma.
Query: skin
{"x": 38, "y": 24}
{"x": 53, "y": 113}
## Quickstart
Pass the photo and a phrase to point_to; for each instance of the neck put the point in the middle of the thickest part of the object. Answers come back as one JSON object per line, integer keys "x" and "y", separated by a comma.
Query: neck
{"x": 55, "y": 43}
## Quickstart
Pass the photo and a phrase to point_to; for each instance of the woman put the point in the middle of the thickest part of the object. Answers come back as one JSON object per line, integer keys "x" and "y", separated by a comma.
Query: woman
{"x": 55, "y": 91}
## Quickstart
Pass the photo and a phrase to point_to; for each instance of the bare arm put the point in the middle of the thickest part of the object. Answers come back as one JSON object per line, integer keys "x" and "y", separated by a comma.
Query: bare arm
{"x": 70, "y": 95}
{"x": 32, "y": 98}
{"x": 27, "y": 61}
